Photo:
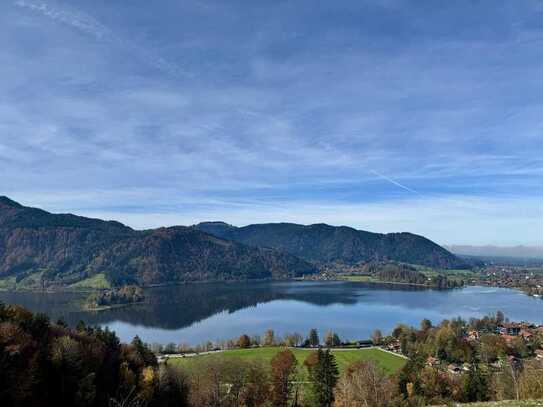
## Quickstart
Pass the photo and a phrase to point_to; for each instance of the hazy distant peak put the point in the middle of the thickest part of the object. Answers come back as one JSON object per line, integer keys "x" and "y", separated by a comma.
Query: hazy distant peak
{"x": 535, "y": 252}
{"x": 216, "y": 223}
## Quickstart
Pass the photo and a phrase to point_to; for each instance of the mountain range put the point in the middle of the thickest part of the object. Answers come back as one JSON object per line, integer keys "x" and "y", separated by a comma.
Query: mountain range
{"x": 321, "y": 243}
{"x": 46, "y": 250}
{"x": 61, "y": 249}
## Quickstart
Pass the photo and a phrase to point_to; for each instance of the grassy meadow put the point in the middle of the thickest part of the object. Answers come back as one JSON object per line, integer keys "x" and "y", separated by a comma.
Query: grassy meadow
{"x": 390, "y": 363}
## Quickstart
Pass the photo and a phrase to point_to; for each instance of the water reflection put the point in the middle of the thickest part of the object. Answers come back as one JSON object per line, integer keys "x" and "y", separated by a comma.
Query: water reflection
{"x": 194, "y": 313}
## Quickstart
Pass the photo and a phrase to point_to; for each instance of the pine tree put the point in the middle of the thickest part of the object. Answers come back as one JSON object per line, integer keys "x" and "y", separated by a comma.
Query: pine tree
{"x": 313, "y": 338}
{"x": 476, "y": 386}
{"x": 324, "y": 376}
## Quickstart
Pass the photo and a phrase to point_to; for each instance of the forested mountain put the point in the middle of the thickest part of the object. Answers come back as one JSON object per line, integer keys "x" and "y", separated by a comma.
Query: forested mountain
{"x": 321, "y": 243}
{"x": 48, "y": 250}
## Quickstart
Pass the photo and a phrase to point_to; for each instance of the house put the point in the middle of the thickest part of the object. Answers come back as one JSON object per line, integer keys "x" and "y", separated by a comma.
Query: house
{"x": 473, "y": 336}
{"x": 526, "y": 335}
{"x": 508, "y": 339}
{"x": 539, "y": 354}
{"x": 394, "y": 346}
{"x": 512, "y": 329}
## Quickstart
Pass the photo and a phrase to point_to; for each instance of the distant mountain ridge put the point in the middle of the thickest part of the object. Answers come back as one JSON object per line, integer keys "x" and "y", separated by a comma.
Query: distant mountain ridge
{"x": 321, "y": 243}
{"x": 60, "y": 249}
{"x": 528, "y": 252}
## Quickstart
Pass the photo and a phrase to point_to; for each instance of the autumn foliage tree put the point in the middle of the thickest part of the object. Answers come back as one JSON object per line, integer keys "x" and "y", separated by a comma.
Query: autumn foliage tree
{"x": 283, "y": 367}
{"x": 363, "y": 384}
{"x": 244, "y": 341}
{"x": 269, "y": 338}
{"x": 47, "y": 364}
{"x": 377, "y": 337}
{"x": 332, "y": 339}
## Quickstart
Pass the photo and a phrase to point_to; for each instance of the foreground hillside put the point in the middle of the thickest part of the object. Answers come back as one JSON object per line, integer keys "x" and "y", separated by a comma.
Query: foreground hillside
{"x": 41, "y": 249}
{"x": 322, "y": 243}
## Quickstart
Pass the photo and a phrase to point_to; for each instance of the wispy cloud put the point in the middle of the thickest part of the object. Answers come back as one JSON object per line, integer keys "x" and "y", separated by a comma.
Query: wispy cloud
{"x": 89, "y": 25}
{"x": 79, "y": 21}
{"x": 276, "y": 109}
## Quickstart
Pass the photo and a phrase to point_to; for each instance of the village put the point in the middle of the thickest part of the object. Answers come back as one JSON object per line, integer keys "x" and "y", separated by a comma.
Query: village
{"x": 526, "y": 279}
{"x": 516, "y": 343}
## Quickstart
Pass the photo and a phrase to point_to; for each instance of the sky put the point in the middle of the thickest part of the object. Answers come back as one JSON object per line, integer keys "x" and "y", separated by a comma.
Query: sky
{"x": 384, "y": 115}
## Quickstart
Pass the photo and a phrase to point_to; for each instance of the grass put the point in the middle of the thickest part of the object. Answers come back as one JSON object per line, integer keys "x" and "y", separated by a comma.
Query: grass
{"x": 372, "y": 279}
{"x": 454, "y": 275}
{"x": 29, "y": 281}
{"x": 358, "y": 278}
{"x": 96, "y": 282}
{"x": 390, "y": 363}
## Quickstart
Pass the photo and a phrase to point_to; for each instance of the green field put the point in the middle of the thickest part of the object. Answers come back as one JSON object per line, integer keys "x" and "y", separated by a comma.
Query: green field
{"x": 454, "y": 275}
{"x": 7, "y": 283}
{"x": 390, "y": 363}
{"x": 361, "y": 278}
{"x": 96, "y": 282}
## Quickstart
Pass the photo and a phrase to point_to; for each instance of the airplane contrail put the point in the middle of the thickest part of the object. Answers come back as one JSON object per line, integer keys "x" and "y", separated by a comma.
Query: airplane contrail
{"x": 394, "y": 182}
{"x": 90, "y": 26}
{"x": 79, "y": 21}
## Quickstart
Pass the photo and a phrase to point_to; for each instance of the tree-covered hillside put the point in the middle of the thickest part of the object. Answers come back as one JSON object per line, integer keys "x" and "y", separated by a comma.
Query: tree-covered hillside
{"x": 321, "y": 243}
{"x": 47, "y": 250}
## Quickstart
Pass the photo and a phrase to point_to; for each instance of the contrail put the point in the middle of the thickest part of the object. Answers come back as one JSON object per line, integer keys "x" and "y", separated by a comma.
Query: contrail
{"x": 394, "y": 182}
{"x": 88, "y": 25}
{"x": 80, "y": 22}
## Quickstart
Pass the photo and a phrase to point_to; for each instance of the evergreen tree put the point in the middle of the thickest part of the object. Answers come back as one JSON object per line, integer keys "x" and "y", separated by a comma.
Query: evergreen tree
{"x": 475, "y": 384}
{"x": 324, "y": 375}
{"x": 313, "y": 338}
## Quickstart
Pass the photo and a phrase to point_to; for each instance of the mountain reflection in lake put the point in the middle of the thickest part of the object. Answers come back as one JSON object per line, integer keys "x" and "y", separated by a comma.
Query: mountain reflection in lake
{"x": 198, "y": 312}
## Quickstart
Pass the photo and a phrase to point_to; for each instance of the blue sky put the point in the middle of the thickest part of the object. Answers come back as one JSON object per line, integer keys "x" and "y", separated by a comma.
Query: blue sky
{"x": 419, "y": 116}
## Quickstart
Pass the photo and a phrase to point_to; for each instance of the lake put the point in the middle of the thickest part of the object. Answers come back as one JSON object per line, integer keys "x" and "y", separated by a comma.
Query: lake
{"x": 195, "y": 313}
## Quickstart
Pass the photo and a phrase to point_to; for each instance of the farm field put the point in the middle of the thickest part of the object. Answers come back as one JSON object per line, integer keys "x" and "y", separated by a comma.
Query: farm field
{"x": 390, "y": 363}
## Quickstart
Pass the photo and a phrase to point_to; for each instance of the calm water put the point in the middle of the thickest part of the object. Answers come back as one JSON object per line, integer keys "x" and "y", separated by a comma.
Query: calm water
{"x": 196, "y": 313}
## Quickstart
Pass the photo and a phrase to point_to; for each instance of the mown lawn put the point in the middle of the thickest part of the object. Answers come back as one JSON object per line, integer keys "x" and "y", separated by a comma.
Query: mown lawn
{"x": 388, "y": 362}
